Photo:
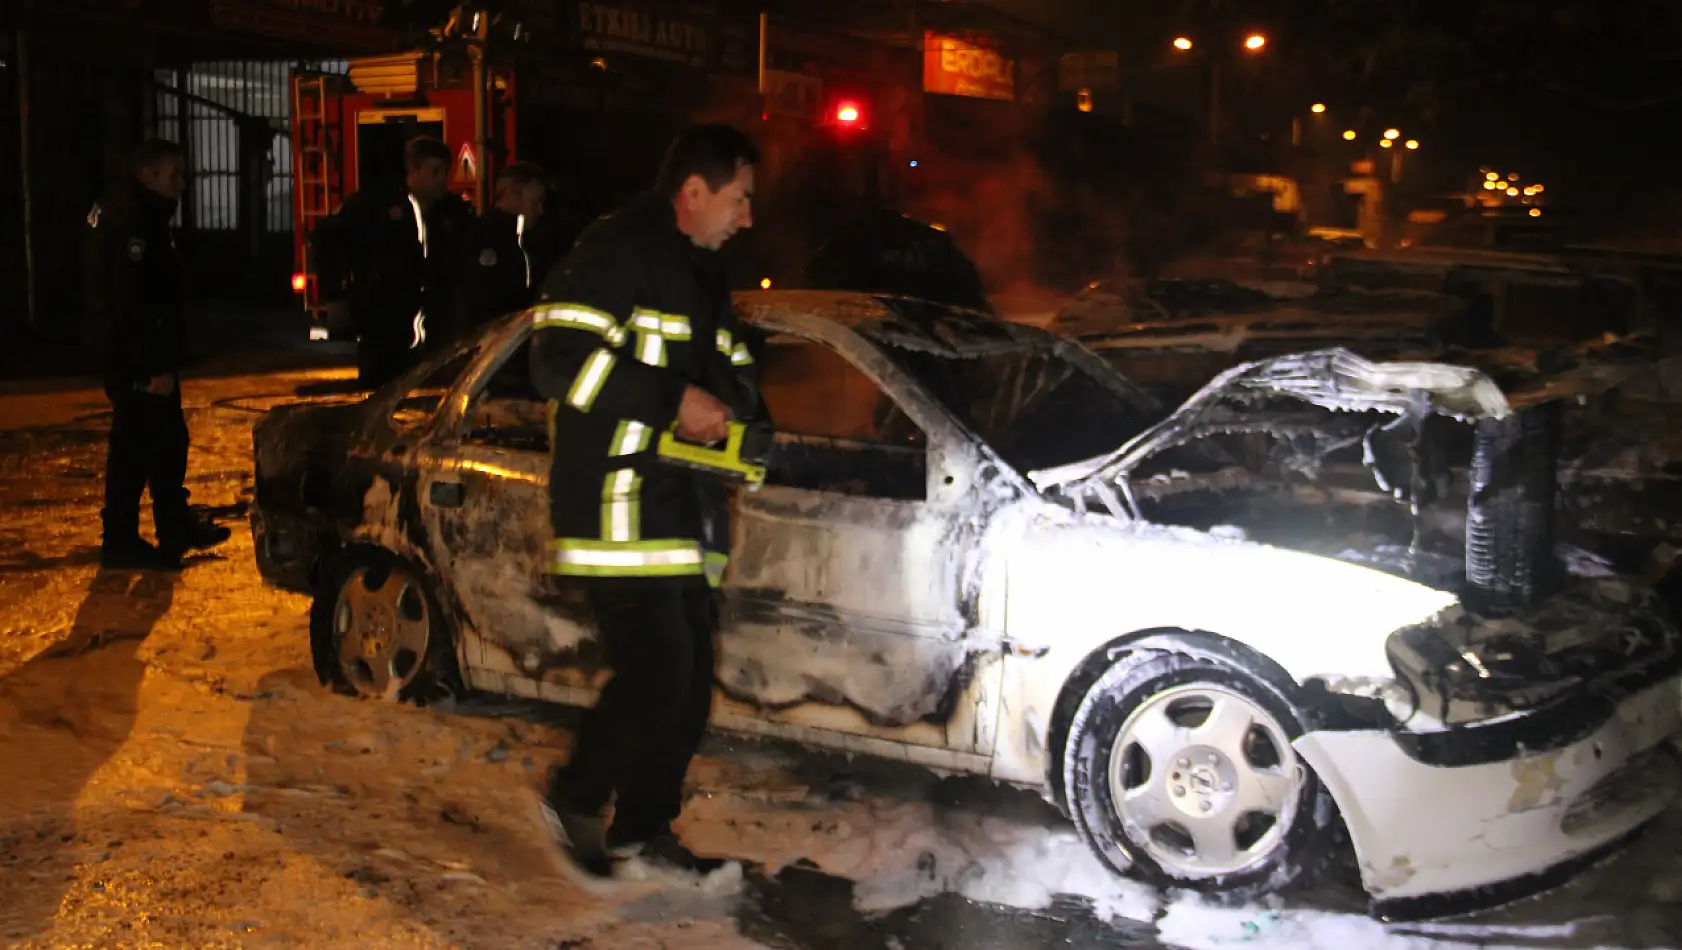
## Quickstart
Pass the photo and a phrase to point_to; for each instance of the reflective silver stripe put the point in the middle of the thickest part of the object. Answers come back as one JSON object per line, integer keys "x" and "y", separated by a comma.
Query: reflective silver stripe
{"x": 630, "y": 438}
{"x": 620, "y": 518}
{"x": 590, "y": 379}
{"x": 420, "y": 235}
{"x": 579, "y": 318}
{"x": 672, "y": 326}
{"x": 420, "y": 224}
{"x": 651, "y": 348}
{"x": 740, "y": 355}
{"x": 577, "y": 556}
{"x": 520, "y": 239}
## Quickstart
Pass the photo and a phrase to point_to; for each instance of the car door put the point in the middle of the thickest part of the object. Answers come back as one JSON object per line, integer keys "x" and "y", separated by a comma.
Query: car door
{"x": 486, "y": 496}
{"x": 846, "y": 606}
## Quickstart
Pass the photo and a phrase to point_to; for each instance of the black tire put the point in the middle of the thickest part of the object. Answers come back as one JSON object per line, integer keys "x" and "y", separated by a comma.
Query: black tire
{"x": 1296, "y": 855}
{"x": 436, "y": 676}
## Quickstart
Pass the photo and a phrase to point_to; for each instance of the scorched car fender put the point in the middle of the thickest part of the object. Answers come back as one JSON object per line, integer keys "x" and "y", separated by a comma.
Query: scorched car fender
{"x": 1078, "y": 584}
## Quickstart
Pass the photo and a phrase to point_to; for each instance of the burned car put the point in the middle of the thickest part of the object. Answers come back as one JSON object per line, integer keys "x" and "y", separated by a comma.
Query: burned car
{"x": 1216, "y": 637}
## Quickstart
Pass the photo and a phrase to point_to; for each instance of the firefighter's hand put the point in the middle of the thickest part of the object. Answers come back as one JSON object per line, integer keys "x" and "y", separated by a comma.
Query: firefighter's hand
{"x": 161, "y": 385}
{"x": 701, "y": 418}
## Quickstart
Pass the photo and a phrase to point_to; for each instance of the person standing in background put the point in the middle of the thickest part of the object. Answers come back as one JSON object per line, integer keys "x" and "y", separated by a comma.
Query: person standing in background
{"x": 497, "y": 275}
{"x": 135, "y": 306}
{"x": 384, "y": 260}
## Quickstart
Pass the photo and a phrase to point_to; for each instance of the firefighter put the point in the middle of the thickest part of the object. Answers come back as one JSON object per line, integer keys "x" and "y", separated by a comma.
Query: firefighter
{"x": 383, "y": 262}
{"x": 635, "y": 334}
{"x": 134, "y": 306}
{"x": 497, "y": 271}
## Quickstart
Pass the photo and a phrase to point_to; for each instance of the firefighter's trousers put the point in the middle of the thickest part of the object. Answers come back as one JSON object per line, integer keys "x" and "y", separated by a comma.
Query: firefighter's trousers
{"x": 658, "y": 636}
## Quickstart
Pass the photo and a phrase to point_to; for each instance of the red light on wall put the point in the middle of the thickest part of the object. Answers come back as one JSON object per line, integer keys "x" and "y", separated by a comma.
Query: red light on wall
{"x": 299, "y": 282}
{"x": 847, "y": 113}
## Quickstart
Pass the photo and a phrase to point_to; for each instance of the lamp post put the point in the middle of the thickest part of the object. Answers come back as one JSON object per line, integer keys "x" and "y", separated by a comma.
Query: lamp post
{"x": 1254, "y": 43}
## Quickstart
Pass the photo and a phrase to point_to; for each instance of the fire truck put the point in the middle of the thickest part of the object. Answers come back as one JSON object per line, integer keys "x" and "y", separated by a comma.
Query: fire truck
{"x": 831, "y": 146}
{"x": 349, "y": 130}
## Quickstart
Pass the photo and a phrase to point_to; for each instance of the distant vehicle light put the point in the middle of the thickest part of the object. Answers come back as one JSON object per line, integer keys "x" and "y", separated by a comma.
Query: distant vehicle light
{"x": 1492, "y": 176}
{"x": 318, "y": 333}
{"x": 1413, "y": 143}
{"x": 765, "y": 283}
{"x": 299, "y": 282}
{"x": 1182, "y": 43}
{"x": 1392, "y": 133}
{"x": 1317, "y": 107}
{"x": 913, "y": 163}
{"x": 1535, "y": 212}
{"x": 847, "y": 113}
{"x": 1349, "y": 135}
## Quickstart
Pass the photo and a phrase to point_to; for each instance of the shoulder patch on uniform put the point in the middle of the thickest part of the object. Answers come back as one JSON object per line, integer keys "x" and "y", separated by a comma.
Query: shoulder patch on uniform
{"x": 487, "y": 257}
{"x": 396, "y": 212}
{"x": 136, "y": 249}
{"x": 93, "y": 216}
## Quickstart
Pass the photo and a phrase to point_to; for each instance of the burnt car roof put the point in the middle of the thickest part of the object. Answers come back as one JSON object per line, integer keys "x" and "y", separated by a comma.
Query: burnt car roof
{"x": 902, "y": 322}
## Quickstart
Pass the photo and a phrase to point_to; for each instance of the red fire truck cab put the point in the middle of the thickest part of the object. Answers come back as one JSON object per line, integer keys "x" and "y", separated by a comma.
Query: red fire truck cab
{"x": 349, "y": 131}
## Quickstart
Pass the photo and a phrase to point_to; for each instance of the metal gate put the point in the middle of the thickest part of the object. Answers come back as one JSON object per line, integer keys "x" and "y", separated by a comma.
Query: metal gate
{"x": 233, "y": 117}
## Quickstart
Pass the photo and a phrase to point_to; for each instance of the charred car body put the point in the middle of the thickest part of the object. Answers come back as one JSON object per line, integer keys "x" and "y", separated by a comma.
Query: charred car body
{"x": 1267, "y": 616}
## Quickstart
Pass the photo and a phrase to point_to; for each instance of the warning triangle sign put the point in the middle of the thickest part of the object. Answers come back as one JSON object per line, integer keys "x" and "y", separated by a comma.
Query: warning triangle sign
{"x": 467, "y": 164}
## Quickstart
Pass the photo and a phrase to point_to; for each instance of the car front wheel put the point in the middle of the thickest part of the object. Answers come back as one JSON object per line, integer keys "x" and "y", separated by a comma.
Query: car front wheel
{"x": 1180, "y": 772}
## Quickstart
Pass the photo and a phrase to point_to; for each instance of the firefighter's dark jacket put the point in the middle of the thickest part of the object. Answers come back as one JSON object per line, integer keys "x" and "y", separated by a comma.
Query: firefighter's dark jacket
{"x": 631, "y": 317}
{"x": 496, "y": 275}
{"x": 134, "y": 287}
{"x": 372, "y": 255}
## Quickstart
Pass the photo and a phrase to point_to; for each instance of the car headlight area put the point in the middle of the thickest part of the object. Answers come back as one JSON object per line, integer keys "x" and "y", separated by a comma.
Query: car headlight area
{"x": 1508, "y": 751}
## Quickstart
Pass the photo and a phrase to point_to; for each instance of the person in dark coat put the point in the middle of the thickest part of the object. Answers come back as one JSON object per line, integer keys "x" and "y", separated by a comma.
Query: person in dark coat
{"x": 384, "y": 262}
{"x": 635, "y": 335}
{"x": 497, "y": 270}
{"x": 135, "y": 301}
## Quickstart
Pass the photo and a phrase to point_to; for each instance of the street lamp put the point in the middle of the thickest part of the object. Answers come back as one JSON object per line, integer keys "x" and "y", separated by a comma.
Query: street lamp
{"x": 1317, "y": 107}
{"x": 1385, "y": 143}
{"x": 1512, "y": 192}
{"x": 1254, "y": 42}
{"x": 1182, "y": 43}
{"x": 1492, "y": 176}
{"x": 1392, "y": 134}
{"x": 1349, "y": 135}
{"x": 1413, "y": 143}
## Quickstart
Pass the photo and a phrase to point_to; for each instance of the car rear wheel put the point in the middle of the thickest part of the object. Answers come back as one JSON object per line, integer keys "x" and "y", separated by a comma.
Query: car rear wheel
{"x": 1180, "y": 771}
{"x": 378, "y": 631}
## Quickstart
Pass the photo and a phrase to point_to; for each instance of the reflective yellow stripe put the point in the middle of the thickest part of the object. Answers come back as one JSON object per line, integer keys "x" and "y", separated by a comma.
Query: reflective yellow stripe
{"x": 651, "y": 348}
{"x": 578, "y": 557}
{"x": 713, "y": 566}
{"x": 672, "y": 326}
{"x": 576, "y": 317}
{"x": 630, "y": 438}
{"x": 621, "y": 507}
{"x": 590, "y": 379}
{"x": 724, "y": 340}
{"x": 740, "y": 355}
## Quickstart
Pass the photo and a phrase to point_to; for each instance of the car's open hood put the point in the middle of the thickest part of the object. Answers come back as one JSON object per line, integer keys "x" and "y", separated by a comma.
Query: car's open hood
{"x": 1333, "y": 379}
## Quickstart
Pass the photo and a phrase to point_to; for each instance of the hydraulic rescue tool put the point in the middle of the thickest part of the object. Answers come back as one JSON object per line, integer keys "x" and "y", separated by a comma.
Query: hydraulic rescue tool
{"x": 741, "y": 458}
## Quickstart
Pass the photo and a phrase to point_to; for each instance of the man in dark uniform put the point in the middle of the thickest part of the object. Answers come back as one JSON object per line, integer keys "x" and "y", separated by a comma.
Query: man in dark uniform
{"x": 135, "y": 300}
{"x": 383, "y": 262}
{"x": 635, "y": 335}
{"x": 497, "y": 275}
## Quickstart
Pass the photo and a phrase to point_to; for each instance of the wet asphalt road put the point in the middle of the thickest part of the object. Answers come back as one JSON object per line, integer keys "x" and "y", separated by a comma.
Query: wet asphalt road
{"x": 178, "y": 779}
